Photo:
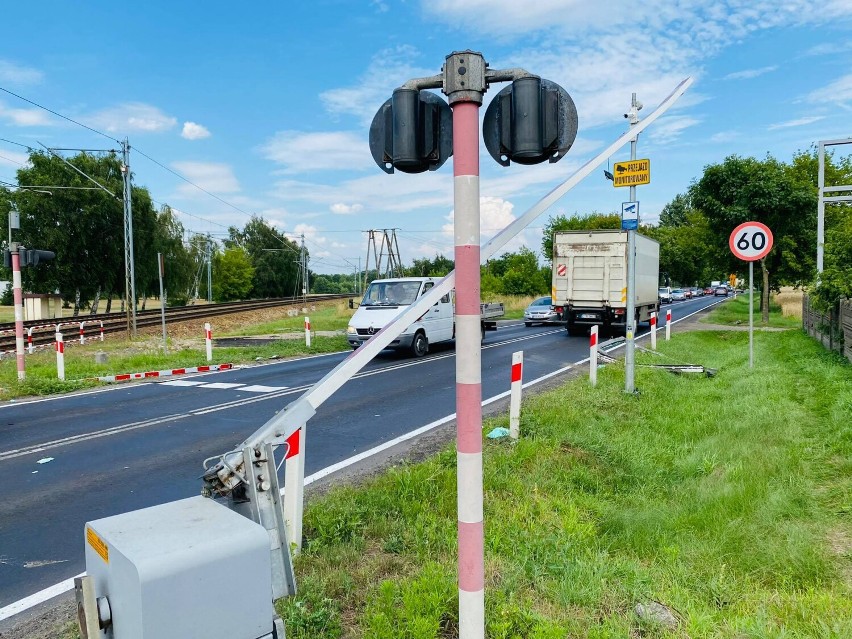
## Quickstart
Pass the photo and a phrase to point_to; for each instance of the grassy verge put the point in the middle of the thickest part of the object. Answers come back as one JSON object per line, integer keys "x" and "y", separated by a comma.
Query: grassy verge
{"x": 141, "y": 355}
{"x": 735, "y": 311}
{"x": 727, "y": 499}
{"x": 328, "y": 317}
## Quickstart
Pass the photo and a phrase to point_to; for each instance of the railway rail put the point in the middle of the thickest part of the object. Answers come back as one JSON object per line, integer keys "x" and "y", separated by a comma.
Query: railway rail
{"x": 43, "y": 331}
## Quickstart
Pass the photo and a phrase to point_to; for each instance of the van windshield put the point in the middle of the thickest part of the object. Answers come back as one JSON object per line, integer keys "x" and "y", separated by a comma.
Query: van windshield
{"x": 400, "y": 293}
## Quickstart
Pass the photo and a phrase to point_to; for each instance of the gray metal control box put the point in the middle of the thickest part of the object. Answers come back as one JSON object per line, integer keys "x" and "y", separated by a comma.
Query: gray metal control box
{"x": 185, "y": 569}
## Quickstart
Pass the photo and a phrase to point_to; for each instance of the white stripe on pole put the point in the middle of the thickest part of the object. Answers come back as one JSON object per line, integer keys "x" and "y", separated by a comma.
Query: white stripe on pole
{"x": 82, "y": 333}
{"x": 515, "y": 401}
{"x": 668, "y": 324}
{"x": 653, "y": 331}
{"x": 307, "y": 331}
{"x": 102, "y": 331}
{"x": 593, "y": 356}
{"x": 60, "y": 356}
{"x": 30, "y": 340}
{"x": 294, "y": 487}
{"x": 208, "y": 339}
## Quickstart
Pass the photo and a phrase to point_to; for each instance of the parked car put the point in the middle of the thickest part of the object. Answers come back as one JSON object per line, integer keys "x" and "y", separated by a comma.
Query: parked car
{"x": 678, "y": 295}
{"x": 541, "y": 311}
{"x": 665, "y": 295}
{"x": 721, "y": 291}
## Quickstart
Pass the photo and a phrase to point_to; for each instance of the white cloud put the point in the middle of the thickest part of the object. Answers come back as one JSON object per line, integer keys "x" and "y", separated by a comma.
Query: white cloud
{"x": 338, "y": 208}
{"x": 24, "y": 117}
{"x": 193, "y": 131}
{"x": 495, "y": 214}
{"x": 13, "y": 158}
{"x": 387, "y": 70}
{"x": 793, "y": 123}
{"x": 301, "y": 152}
{"x": 131, "y": 117}
{"x": 724, "y": 136}
{"x": 668, "y": 128}
{"x": 838, "y": 92}
{"x": 12, "y": 73}
{"x": 748, "y": 74}
{"x": 211, "y": 176}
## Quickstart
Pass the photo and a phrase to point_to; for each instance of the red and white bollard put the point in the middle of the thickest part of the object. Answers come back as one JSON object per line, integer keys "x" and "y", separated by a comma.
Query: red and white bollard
{"x": 653, "y": 331}
{"x": 18, "y": 297}
{"x": 294, "y": 486}
{"x": 208, "y": 340}
{"x": 82, "y": 333}
{"x": 593, "y": 356}
{"x": 515, "y": 395}
{"x": 60, "y": 356}
{"x": 668, "y": 324}
{"x": 102, "y": 331}
{"x": 307, "y": 331}
{"x": 30, "y": 340}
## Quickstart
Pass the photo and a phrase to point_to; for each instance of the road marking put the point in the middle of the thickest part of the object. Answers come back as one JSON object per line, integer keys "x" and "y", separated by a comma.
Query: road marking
{"x": 258, "y": 388}
{"x": 220, "y": 385}
{"x": 64, "y": 586}
{"x": 181, "y": 382}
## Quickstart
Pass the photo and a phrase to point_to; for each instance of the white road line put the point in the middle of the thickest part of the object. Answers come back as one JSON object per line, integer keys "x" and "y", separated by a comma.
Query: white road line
{"x": 64, "y": 586}
{"x": 181, "y": 382}
{"x": 220, "y": 385}
{"x": 259, "y": 388}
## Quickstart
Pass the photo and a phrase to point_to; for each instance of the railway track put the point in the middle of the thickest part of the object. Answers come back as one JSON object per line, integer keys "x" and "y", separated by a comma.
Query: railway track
{"x": 43, "y": 331}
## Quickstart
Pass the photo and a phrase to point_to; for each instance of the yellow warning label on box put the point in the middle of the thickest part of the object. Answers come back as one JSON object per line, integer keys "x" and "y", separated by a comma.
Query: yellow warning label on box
{"x": 631, "y": 173}
{"x": 98, "y": 544}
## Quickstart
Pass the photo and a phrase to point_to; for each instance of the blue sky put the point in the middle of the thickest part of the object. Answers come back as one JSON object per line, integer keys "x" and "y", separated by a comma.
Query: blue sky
{"x": 267, "y": 105}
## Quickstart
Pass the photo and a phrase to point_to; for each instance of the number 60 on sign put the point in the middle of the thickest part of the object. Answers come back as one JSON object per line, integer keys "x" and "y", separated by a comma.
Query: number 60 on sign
{"x": 751, "y": 241}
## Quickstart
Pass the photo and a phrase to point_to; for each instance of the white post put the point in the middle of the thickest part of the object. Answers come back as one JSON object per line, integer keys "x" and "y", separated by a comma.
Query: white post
{"x": 30, "y": 340}
{"x": 668, "y": 324}
{"x": 60, "y": 356}
{"x": 593, "y": 356}
{"x": 751, "y": 314}
{"x": 294, "y": 486}
{"x": 653, "y": 331}
{"x": 102, "y": 331}
{"x": 208, "y": 338}
{"x": 307, "y": 331}
{"x": 82, "y": 334}
{"x": 515, "y": 401}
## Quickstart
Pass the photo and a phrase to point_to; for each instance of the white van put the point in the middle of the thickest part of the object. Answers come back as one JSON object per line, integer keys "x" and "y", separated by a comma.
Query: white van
{"x": 384, "y": 300}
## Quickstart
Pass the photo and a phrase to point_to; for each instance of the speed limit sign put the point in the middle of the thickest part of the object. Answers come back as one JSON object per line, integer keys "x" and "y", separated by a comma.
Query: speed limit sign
{"x": 751, "y": 241}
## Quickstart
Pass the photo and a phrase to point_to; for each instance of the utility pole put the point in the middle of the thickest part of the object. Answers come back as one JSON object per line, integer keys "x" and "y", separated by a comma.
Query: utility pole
{"x": 18, "y": 297}
{"x": 209, "y": 270}
{"x": 630, "y": 312}
{"x": 303, "y": 260}
{"x": 129, "y": 272}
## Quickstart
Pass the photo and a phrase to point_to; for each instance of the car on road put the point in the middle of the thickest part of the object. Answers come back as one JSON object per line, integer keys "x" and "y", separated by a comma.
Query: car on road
{"x": 678, "y": 295}
{"x": 687, "y": 293}
{"x": 541, "y": 311}
{"x": 697, "y": 291}
{"x": 720, "y": 291}
{"x": 708, "y": 290}
{"x": 665, "y": 295}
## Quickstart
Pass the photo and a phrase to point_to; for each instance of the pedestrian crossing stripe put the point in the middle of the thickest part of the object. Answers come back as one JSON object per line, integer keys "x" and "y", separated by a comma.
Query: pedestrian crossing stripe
{"x": 252, "y": 388}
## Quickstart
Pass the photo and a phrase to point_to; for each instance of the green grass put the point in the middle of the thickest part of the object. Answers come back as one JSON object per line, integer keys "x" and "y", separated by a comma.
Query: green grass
{"x": 327, "y": 317}
{"x": 728, "y": 499}
{"x": 735, "y": 310}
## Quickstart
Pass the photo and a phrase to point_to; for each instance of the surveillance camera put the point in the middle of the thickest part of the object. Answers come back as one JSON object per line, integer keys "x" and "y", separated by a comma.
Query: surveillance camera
{"x": 639, "y": 106}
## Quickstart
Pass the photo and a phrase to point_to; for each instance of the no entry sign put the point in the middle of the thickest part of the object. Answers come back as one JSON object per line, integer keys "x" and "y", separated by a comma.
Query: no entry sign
{"x": 751, "y": 241}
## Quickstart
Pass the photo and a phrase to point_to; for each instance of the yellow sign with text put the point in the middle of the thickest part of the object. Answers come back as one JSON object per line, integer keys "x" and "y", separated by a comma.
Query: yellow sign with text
{"x": 97, "y": 544}
{"x": 631, "y": 173}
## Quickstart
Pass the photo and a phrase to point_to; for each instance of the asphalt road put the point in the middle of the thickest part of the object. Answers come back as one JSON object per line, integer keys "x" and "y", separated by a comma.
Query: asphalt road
{"x": 71, "y": 459}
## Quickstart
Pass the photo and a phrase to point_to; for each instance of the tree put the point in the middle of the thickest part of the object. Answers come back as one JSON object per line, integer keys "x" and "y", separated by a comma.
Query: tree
{"x": 274, "y": 258}
{"x": 515, "y": 274}
{"x": 744, "y": 189}
{"x": 232, "y": 275}
{"x": 575, "y": 223}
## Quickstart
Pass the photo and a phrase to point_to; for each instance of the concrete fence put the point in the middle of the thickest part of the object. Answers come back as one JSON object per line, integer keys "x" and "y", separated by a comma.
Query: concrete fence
{"x": 833, "y": 329}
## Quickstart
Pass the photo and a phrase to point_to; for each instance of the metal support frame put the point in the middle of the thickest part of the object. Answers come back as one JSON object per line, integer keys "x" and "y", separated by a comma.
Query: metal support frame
{"x": 129, "y": 268}
{"x": 822, "y": 190}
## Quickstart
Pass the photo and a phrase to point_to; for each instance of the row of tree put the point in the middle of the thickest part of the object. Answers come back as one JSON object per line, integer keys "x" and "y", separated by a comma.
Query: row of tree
{"x": 62, "y": 209}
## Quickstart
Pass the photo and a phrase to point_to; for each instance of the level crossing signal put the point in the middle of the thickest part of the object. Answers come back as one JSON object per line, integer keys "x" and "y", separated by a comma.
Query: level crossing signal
{"x": 29, "y": 257}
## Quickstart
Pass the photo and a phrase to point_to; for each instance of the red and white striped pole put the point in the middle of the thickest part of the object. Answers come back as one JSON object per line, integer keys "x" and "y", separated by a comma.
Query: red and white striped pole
{"x": 208, "y": 340}
{"x": 30, "y": 340}
{"x": 18, "y": 297}
{"x": 307, "y": 331}
{"x": 466, "y": 232}
{"x": 294, "y": 486}
{"x": 515, "y": 395}
{"x": 653, "y": 331}
{"x": 82, "y": 333}
{"x": 593, "y": 356}
{"x": 60, "y": 356}
{"x": 668, "y": 324}
{"x": 102, "y": 331}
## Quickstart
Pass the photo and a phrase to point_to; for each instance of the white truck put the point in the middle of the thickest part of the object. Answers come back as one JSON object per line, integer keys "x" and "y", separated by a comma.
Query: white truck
{"x": 386, "y": 298}
{"x": 590, "y": 279}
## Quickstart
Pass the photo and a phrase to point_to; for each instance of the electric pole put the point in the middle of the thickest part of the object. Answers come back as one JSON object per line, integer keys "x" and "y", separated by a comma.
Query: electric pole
{"x": 209, "y": 270}
{"x": 630, "y": 312}
{"x": 129, "y": 273}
